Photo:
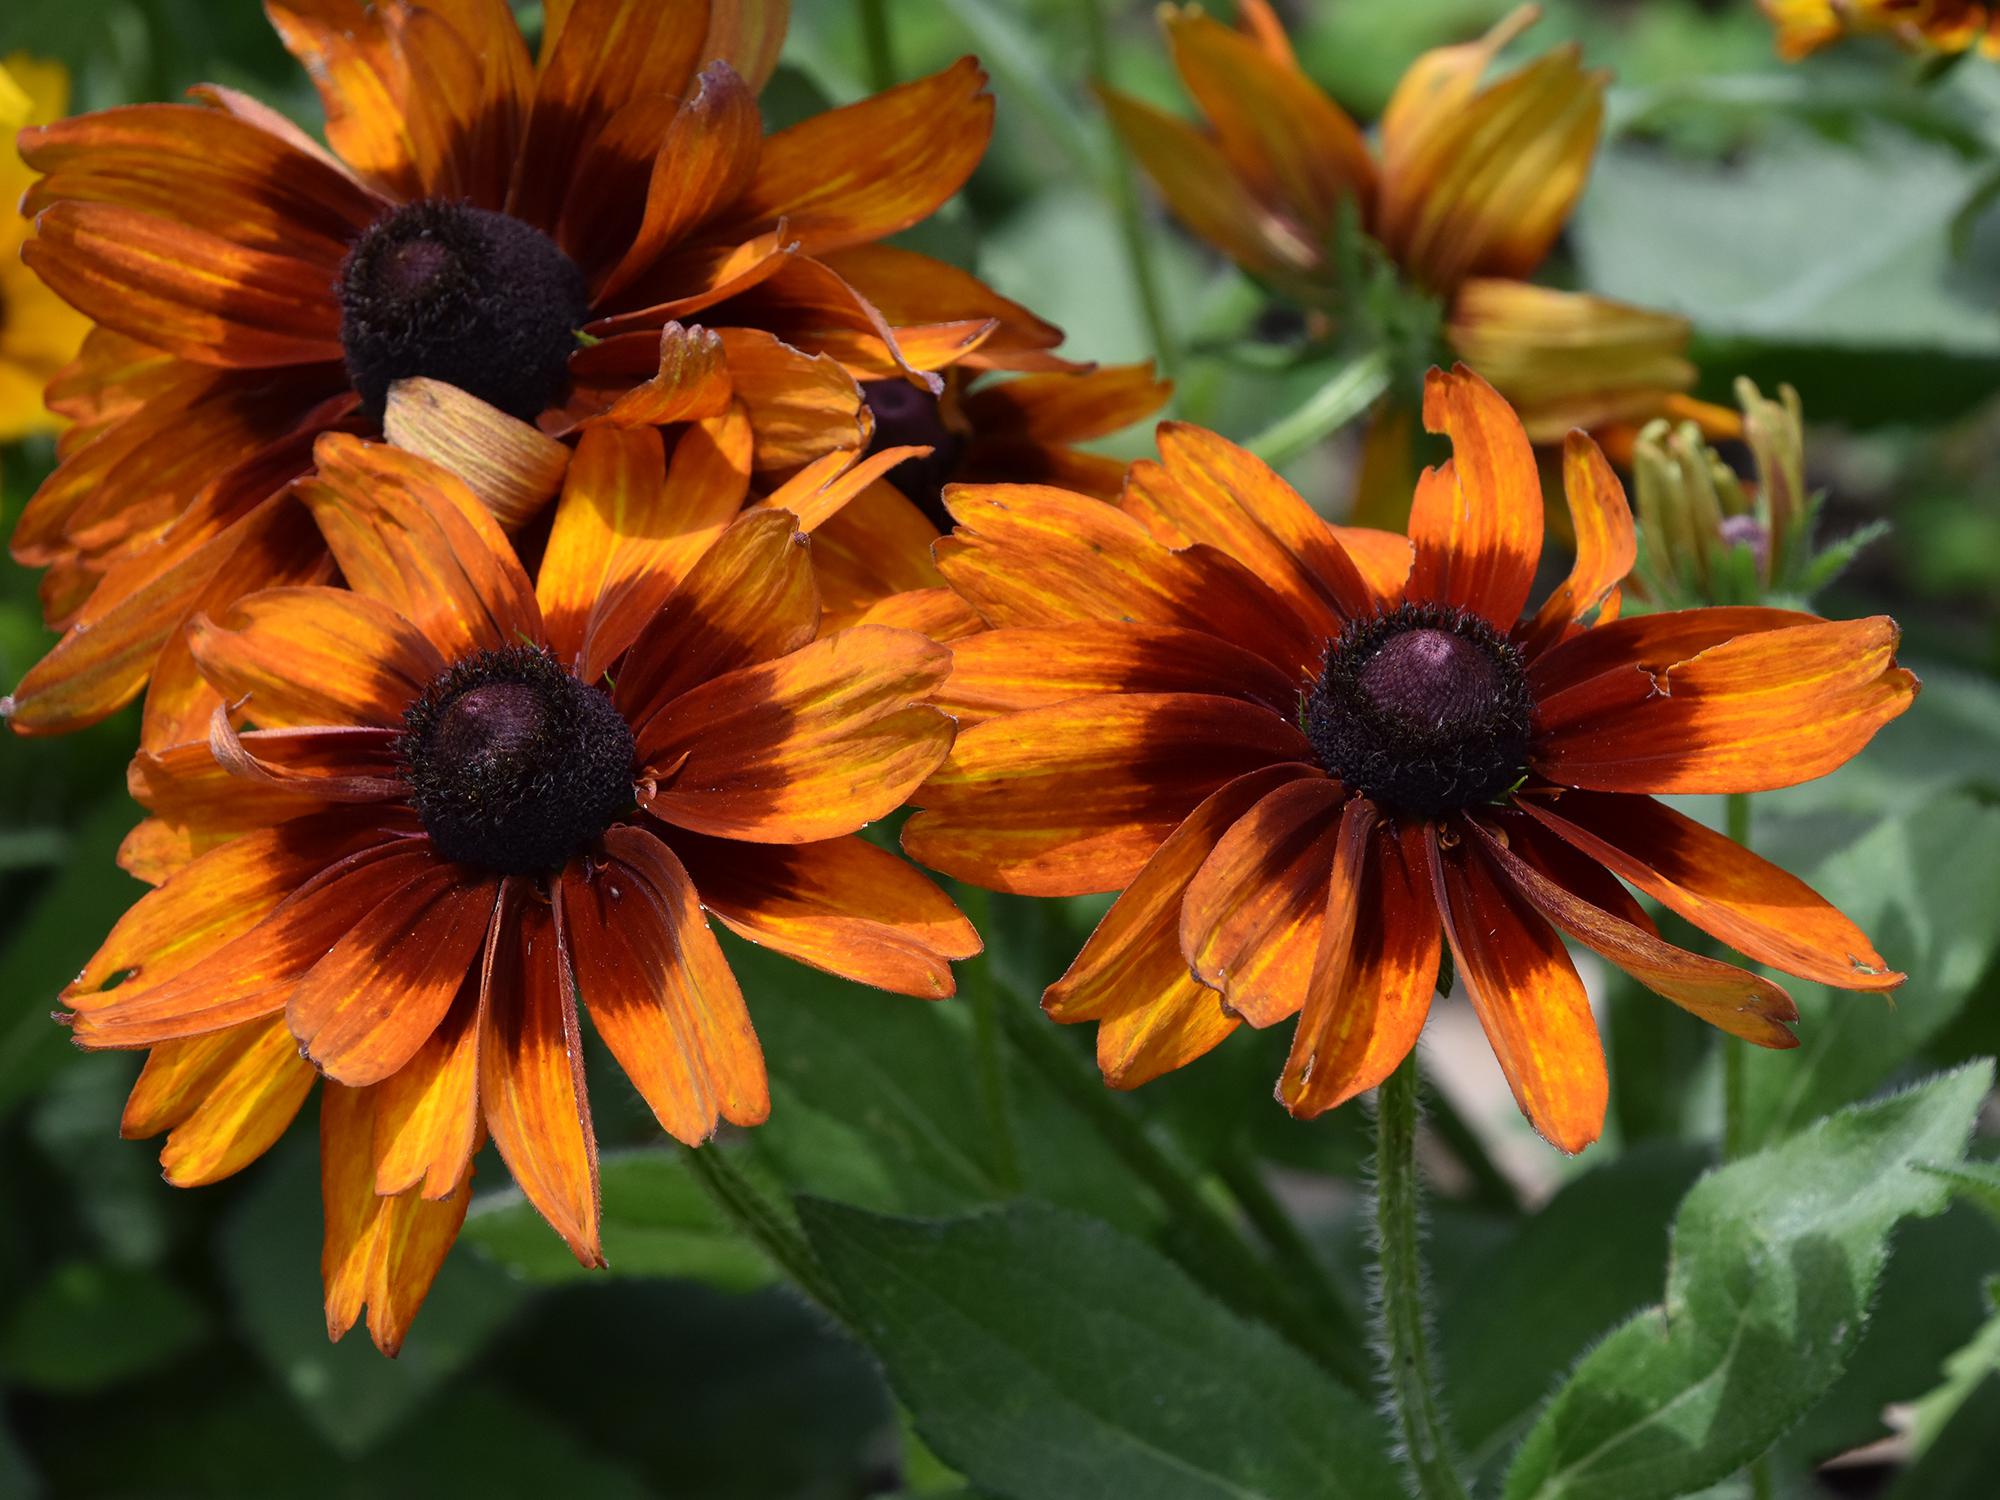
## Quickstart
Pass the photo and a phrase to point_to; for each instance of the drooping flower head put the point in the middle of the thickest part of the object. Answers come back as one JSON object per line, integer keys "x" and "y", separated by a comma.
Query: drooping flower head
{"x": 517, "y": 229}
{"x": 1465, "y": 191}
{"x": 473, "y": 810}
{"x": 39, "y": 332}
{"x": 1310, "y": 759}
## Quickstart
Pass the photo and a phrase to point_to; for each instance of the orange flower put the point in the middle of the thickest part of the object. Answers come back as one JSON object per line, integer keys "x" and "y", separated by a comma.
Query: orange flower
{"x": 1942, "y": 26}
{"x": 1466, "y": 192}
{"x": 522, "y": 230}
{"x": 1308, "y": 756}
{"x": 445, "y": 834}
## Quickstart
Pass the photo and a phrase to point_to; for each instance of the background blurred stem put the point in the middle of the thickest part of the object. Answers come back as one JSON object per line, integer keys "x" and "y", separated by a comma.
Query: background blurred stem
{"x": 1245, "y": 1181}
{"x": 1237, "y": 1270}
{"x": 876, "y": 43}
{"x": 1125, "y": 197}
{"x": 1343, "y": 398}
{"x": 1403, "y": 1319}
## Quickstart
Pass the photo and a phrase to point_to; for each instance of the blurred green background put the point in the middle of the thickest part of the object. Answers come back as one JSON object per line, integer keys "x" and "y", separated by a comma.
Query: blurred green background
{"x": 1823, "y": 225}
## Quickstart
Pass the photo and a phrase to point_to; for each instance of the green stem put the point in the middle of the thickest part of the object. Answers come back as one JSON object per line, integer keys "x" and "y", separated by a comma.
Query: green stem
{"x": 990, "y": 1058}
{"x": 1343, "y": 398}
{"x": 1403, "y": 1331}
{"x": 763, "y": 1223}
{"x": 877, "y": 45}
{"x": 1735, "y": 1086}
{"x": 1227, "y": 1261}
{"x": 1132, "y": 228}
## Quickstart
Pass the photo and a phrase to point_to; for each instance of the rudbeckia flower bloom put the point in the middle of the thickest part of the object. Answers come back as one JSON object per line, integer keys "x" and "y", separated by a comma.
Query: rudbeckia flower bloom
{"x": 1309, "y": 759}
{"x": 518, "y": 229}
{"x": 39, "y": 332}
{"x": 1465, "y": 191}
{"x": 1946, "y": 27}
{"x": 450, "y": 835}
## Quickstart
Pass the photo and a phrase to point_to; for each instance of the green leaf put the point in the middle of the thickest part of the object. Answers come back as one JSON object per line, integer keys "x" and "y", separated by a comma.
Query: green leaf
{"x": 1976, "y": 1181}
{"x": 1513, "y": 1321}
{"x": 1924, "y": 888}
{"x": 1775, "y": 1259}
{"x": 1045, "y": 1355}
{"x": 89, "y": 1324}
{"x": 348, "y": 1391}
{"x": 657, "y": 1222}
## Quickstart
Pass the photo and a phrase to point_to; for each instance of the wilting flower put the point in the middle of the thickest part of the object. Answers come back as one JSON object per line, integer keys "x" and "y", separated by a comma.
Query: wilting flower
{"x": 450, "y": 828}
{"x": 521, "y": 230}
{"x": 1301, "y": 752}
{"x": 39, "y": 332}
{"x": 1465, "y": 192}
{"x": 1947, "y": 27}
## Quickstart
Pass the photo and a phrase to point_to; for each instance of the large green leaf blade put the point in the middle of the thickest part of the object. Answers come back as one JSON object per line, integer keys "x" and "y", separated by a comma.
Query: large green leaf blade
{"x": 1775, "y": 1258}
{"x": 1046, "y": 1355}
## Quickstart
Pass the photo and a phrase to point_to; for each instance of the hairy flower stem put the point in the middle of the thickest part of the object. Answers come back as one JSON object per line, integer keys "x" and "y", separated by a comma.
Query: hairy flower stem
{"x": 763, "y": 1223}
{"x": 1218, "y": 1254}
{"x": 1004, "y": 1157}
{"x": 1402, "y": 1319}
{"x": 1735, "y": 1124}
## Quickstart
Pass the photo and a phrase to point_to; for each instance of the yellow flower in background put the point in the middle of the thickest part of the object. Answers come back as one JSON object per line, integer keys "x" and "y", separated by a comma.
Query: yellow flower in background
{"x": 1942, "y": 26}
{"x": 1466, "y": 189}
{"x": 39, "y": 332}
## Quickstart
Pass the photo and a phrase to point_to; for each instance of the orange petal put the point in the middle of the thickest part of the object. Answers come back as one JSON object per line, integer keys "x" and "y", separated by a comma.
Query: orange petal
{"x": 1595, "y": 668}
{"x": 811, "y": 746}
{"x": 692, "y": 383}
{"x": 1526, "y": 993}
{"x": 252, "y": 976}
{"x": 361, "y": 84}
{"x": 607, "y": 54}
{"x": 1375, "y": 972}
{"x": 1740, "y": 1003}
{"x": 427, "y": 1112}
{"x": 1283, "y": 136}
{"x": 1067, "y": 408}
{"x": 243, "y": 1111}
{"x": 1130, "y": 976}
{"x": 366, "y": 1007}
{"x": 861, "y": 173}
{"x": 1075, "y": 798}
{"x": 821, "y": 490}
{"x": 706, "y": 159}
{"x": 410, "y": 534}
{"x": 1206, "y": 489}
{"x": 908, "y": 289}
{"x": 1756, "y": 712}
{"x": 218, "y": 898}
{"x": 937, "y": 613}
{"x": 331, "y": 765}
{"x": 1025, "y": 555}
{"x": 184, "y": 290}
{"x": 660, "y": 992}
{"x": 748, "y": 35}
{"x": 177, "y": 1077}
{"x": 1251, "y": 921}
{"x": 203, "y": 168}
{"x": 748, "y": 600}
{"x": 1606, "y": 544}
{"x": 1203, "y": 189}
{"x": 1006, "y": 671}
{"x": 1477, "y": 522}
{"x": 842, "y": 905}
{"x": 531, "y": 1090}
{"x": 465, "y": 101}
{"x": 1724, "y": 889}
{"x": 801, "y": 406}
{"x": 512, "y": 466}
{"x": 379, "y": 1253}
{"x": 293, "y": 658}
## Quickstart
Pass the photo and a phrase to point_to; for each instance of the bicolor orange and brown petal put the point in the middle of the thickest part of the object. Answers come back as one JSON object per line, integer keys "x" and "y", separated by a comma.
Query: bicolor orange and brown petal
{"x": 1312, "y": 760}
{"x": 448, "y": 845}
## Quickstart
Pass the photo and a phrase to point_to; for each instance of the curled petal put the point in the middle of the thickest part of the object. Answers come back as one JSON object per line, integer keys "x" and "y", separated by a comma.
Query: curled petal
{"x": 511, "y": 465}
{"x": 1476, "y": 523}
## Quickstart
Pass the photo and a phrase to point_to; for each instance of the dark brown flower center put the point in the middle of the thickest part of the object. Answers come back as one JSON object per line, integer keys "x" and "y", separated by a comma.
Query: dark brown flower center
{"x": 513, "y": 764}
{"x": 907, "y": 417}
{"x": 1424, "y": 709}
{"x": 459, "y": 294}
